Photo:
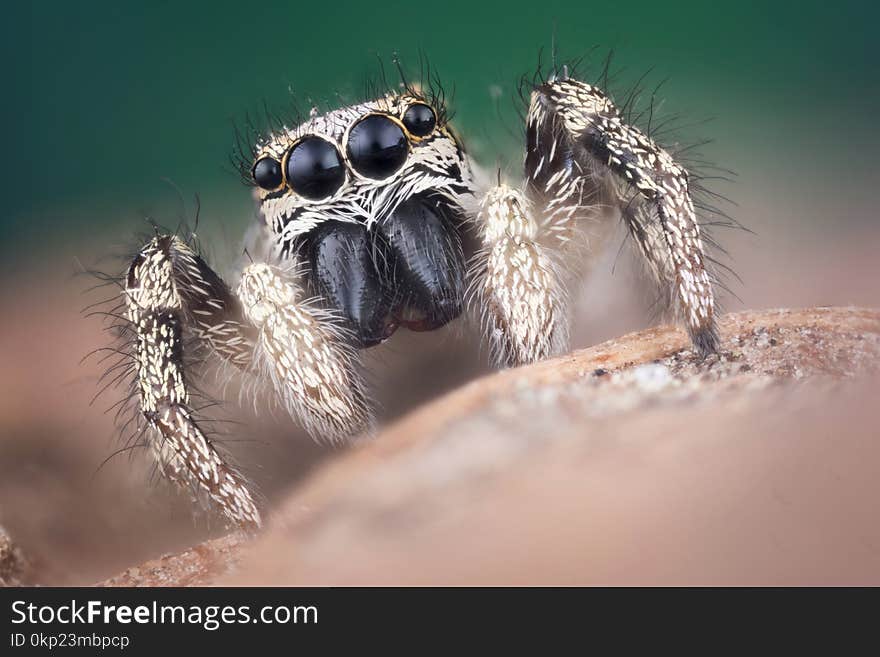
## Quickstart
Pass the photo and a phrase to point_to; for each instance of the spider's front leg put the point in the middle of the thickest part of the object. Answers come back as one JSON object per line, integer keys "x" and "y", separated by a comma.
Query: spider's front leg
{"x": 581, "y": 152}
{"x": 169, "y": 289}
{"x": 171, "y": 293}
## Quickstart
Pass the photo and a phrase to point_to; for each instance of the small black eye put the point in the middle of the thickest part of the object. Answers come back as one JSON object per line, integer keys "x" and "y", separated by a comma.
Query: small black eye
{"x": 267, "y": 173}
{"x": 314, "y": 168}
{"x": 377, "y": 146}
{"x": 420, "y": 120}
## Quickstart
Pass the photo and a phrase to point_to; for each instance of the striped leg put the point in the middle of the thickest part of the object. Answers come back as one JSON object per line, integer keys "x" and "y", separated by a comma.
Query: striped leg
{"x": 169, "y": 287}
{"x": 579, "y": 145}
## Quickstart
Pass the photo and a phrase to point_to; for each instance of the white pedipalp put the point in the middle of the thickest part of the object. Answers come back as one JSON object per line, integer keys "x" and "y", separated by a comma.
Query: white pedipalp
{"x": 516, "y": 284}
{"x": 314, "y": 371}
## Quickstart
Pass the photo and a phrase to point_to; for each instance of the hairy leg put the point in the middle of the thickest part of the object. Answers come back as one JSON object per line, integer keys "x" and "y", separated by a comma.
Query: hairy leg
{"x": 171, "y": 293}
{"x": 580, "y": 147}
{"x": 166, "y": 290}
{"x": 515, "y": 283}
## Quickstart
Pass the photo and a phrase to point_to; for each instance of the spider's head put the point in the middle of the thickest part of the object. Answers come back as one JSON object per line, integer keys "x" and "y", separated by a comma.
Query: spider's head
{"x": 357, "y": 163}
{"x": 370, "y": 197}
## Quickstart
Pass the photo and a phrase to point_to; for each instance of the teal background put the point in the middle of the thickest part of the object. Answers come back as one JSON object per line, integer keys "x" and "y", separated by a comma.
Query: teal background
{"x": 105, "y": 100}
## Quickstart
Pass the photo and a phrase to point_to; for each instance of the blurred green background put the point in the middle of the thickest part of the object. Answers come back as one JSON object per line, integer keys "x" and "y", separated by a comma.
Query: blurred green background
{"x": 105, "y": 100}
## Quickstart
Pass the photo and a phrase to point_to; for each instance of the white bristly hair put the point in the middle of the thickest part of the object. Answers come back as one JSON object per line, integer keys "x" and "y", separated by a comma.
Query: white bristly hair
{"x": 184, "y": 454}
{"x": 516, "y": 285}
{"x": 305, "y": 354}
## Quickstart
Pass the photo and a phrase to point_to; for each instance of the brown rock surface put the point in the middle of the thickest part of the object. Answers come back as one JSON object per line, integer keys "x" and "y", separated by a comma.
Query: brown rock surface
{"x": 15, "y": 569}
{"x": 629, "y": 462}
{"x": 201, "y": 565}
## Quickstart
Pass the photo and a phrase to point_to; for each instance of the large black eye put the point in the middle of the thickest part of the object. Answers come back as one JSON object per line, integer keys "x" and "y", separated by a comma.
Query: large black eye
{"x": 377, "y": 146}
{"x": 419, "y": 119}
{"x": 267, "y": 173}
{"x": 314, "y": 168}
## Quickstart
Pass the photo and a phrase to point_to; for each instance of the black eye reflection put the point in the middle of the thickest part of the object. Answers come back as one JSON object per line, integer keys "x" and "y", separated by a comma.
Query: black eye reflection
{"x": 377, "y": 146}
{"x": 267, "y": 173}
{"x": 419, "y": 119}
{"x": 314, "y": 168}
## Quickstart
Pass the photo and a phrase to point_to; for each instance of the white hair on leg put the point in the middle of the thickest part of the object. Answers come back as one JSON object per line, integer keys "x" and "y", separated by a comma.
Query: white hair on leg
{"x": 306, "y": 356}
{"x": 184, "y": 453}
{"x": 574, "y": 126}
{"x": 516, "y": 285}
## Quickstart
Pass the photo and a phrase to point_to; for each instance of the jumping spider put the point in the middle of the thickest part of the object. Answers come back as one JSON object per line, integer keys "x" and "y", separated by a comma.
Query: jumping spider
{"x": 373, "y": 219}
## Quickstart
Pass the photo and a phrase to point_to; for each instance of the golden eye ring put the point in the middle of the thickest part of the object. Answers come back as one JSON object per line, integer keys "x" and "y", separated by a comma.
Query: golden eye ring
{"x": 314, "y": 168}
{"x": 377, "y": 146}
{"x": 420, "y": 120}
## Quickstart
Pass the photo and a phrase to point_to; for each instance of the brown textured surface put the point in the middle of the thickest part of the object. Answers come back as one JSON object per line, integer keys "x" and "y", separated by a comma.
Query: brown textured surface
{"x": 15, "y": 568}
{"x": 816, "y": 341}
{"x": 629, "y": 462}
{"x": 198, "y": 566}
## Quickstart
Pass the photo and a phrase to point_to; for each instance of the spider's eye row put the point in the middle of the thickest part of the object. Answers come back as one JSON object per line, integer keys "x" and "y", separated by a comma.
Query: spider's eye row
{"x": 267, "y": 173}
{"x": 419, "y": 119}
{"x": 377, "y": 146}
{"x": 314, "y": 168}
